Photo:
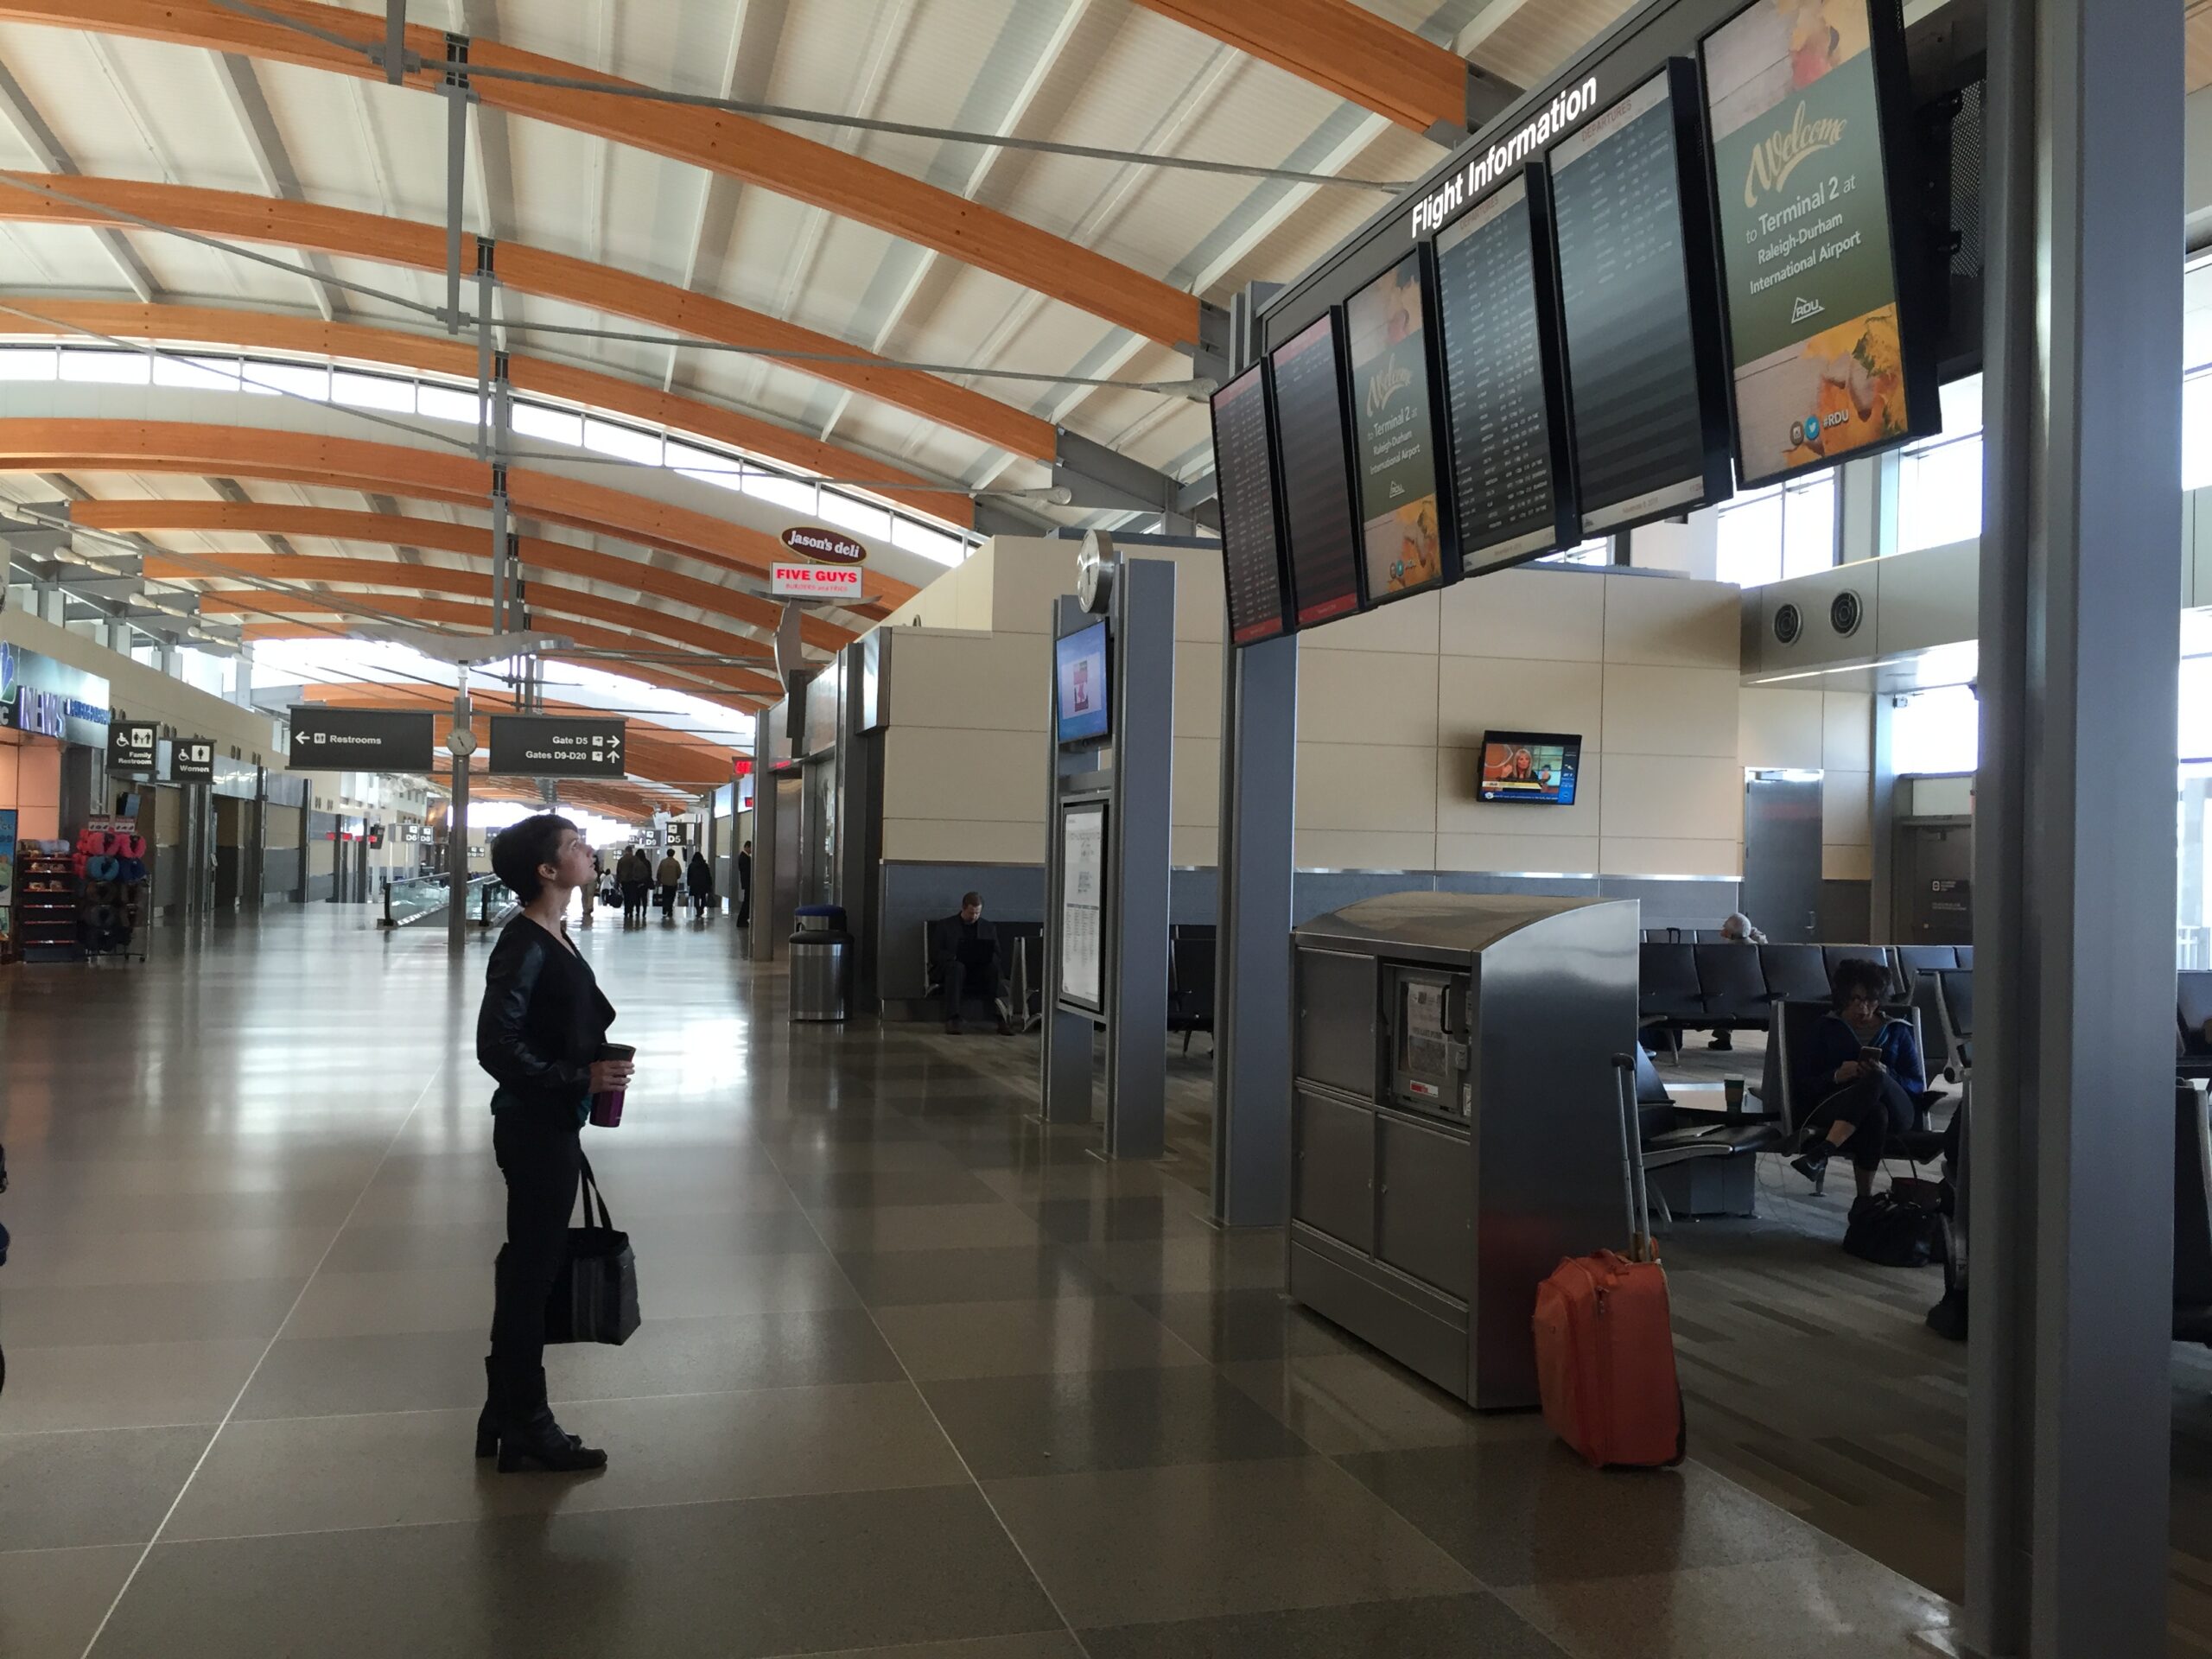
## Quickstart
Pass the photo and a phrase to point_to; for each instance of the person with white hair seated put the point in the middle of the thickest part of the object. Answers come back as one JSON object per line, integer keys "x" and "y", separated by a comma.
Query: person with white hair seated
{"x": 1737, "y": 930}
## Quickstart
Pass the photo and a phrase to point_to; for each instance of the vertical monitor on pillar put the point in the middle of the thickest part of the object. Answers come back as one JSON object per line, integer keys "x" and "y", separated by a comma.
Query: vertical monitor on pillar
{"x": 1505, "y": 379}
{"x": 1313, "y": 458}
{"x": 1407, "y": 545}
{"x": 1820, "y": 275}
{"x": 1251, "y": 539}
{"x": 1082, "y": 700}
{"x": 1640, "y": 308}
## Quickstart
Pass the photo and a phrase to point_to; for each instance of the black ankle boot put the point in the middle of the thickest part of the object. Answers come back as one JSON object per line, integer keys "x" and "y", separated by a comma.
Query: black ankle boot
{"x": 487, "y": 1421}
{"x": 1813, "y": 1166}
{"x": 529, "y": 1437}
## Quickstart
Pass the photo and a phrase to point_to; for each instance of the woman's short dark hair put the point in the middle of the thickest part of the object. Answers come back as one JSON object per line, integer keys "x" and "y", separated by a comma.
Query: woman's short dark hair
{"x": 1856, "y": 974}
{"x": 518, "y": 849}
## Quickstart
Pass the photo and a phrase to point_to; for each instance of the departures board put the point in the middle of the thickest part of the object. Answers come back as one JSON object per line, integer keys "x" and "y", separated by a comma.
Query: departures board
{"x": 1251, "y": 547}
{"x": 1314, "y": 446}
{"x": 1638, "y": 308}
{"x": 1503, "y": 395}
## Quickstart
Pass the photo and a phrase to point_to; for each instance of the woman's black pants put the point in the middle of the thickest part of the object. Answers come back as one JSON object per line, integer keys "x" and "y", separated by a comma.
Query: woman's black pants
{"x": 1876, "y": 1107}
{"x": 542, "y": 1161}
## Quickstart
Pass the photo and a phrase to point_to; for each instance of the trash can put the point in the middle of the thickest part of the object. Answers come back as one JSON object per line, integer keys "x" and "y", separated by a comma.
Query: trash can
{"x": 822, "y": 956}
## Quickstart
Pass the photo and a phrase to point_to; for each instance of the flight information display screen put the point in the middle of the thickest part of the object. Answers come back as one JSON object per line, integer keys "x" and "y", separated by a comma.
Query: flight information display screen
{"x": 1314, "y": 448}
{"x": 1394, "y": 426}
{"x": 1251, "y": 551}
{"x": 1640, "y": 429}
{"x": 1509, "y": 428}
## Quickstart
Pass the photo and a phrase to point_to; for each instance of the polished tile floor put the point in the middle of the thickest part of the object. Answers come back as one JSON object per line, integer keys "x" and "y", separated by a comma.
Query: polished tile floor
{"x": 919, "y": 1379}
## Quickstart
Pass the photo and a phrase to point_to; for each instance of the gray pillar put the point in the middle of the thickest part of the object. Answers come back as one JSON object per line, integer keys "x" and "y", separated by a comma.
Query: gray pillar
{"x": 1064, "y": 1059}
{"x": 1253, "y": 1039}
{"x": 457, "y": 917}
{"x": 2067, "y": 1451}
{"x": 1138, "y": 849}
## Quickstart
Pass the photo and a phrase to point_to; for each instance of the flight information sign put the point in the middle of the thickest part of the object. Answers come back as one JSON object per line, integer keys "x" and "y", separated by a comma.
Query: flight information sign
{"x": 1251, "y": 546}
{"x": 1315, "y": 454}
{"x": 1502, "y": 378}
{"x": 557, "y": 746}
{"x": 1393, "y": 427}
{"x": 1638, "y": 308}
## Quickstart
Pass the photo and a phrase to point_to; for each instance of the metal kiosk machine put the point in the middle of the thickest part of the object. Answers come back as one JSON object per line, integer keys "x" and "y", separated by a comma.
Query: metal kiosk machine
{"x": 1456, "y": 1128}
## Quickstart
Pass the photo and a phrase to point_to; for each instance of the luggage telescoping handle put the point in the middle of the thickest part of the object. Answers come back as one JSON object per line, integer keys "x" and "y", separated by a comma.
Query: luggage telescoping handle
{"x": 1632, "y": 1187}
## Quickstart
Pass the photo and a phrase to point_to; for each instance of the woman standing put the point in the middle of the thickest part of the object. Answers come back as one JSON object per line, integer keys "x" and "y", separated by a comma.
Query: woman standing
{"x": 699, "y": 880}
{"x": 542, "y": 1022}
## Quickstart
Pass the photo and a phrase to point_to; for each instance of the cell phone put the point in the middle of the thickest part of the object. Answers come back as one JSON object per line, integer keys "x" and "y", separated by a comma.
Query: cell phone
{"x": 1869, "y": 1057}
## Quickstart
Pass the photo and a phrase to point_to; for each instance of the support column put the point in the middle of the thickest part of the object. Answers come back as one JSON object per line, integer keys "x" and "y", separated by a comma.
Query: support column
{"x": 1252, "y": 1034}
{"x": 457, "y": 831}
{"x": 1138, "y": 842}
{"x": 2071, "y": 1229}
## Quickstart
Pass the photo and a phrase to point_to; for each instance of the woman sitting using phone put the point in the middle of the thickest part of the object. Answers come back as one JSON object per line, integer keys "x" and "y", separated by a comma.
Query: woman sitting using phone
{"x": 1866, "y": 1070}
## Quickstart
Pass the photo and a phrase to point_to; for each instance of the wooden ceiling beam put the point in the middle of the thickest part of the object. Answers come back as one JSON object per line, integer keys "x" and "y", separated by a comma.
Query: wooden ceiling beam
{"x": 251, "y": 331}
{"x": 345, "y": 233}
{"x": 1363, "y": 59}
{"x": 737, "y": 146}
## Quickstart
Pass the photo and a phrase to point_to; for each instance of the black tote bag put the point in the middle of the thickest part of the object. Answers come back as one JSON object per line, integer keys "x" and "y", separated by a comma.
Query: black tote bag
{"x": 595, "y": 1298}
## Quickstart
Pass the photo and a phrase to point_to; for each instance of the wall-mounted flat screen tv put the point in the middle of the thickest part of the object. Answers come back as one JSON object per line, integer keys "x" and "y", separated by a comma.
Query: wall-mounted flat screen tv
{"x": 1802, "y": 104}
{"x": 1535, "y": 767}
{"x": 1503, "y": 379}
{"x": 1251, "y": 542}
{"x": 1640, "y": 307}
{"x": 1314, "y": 459}
{"x": 1405, "y": 530}
{"x": 1080, "y": 689}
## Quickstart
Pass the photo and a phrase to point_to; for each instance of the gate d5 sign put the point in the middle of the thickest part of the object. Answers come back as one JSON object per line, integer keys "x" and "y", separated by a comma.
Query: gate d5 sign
{"x": 815, "y": 581}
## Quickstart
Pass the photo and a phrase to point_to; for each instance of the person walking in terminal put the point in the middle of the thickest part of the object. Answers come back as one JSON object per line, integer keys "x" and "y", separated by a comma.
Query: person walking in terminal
{"x": 542, "y": 1022}
{"x": 633, "y": 875}
{"x": 745, "y": 885}
{"x": 1737, "y": 930}
{"x": 699, "y": 884}
{"x": 589, "y": 891}
{"x": 670, "y": 876}
{"x": 964, "y": 962}
{"x": 1869, "y": 1070}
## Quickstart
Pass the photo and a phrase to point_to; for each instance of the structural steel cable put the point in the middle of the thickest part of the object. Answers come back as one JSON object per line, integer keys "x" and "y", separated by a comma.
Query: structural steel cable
{"x": 373, "y": 51}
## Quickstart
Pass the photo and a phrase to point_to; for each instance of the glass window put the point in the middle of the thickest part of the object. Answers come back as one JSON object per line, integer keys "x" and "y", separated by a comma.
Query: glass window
{"x": 2196, "y": 431}
{"x": 930, "y": 543}
{"x": 1937, "y": 731}
{"x": 1939, "y": 493}
{"x": 707, "y": 466}
{"x": 536, "y": 420}
{"x": 299, "y": 379}
{"x": 373, "y": 391}
{"x": 1785, "y": 530}
{"x": 444, "y": 403}
{"x": 1598, "y": 552}
{"x": 623, "y": 442}
{"x": 1808, "y": 525}
{"x": 855, "y": 516}
{"x": 106, "y": 368}
{"x": 28, "y": 363}
{"x": 789, "y": 493}
{"x": 197, "y": 373}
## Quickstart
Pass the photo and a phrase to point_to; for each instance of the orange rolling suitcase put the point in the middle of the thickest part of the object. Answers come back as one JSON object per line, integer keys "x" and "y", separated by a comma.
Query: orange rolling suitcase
{"x": 1605, "y": 1340}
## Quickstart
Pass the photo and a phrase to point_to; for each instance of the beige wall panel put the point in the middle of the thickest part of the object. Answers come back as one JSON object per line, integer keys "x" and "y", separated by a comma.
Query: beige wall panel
{"x": 930, "y": 840}
{"x": 1198, "y": 689}
{"x": 1559, "y": 855}
{"x": 1634, "y": 855}
{"x": 1686, "y": 711}
{"x": 1847, "y": 863}
{"x": 1673, "y": 624}
{"x": 1557, "y": 615}
{"x": 1459, "y": 812}
{"x": 1408, "y": 625}
{"x": 962, "y": 777}
{"x": 1478, "y": 694}
{"x": 1366, "y": 787}
{"x": 1847, "y": 731}
{"x": 1028, "y": 573}
{"x": 1364, "y": 849}
{"x": 1845, "y": 819}
{"x": 1201, "y": 607}
{"x": 1192, "y": 848}
{"x": 1778, "y": 729}
{"x": 989, "y": 682}
{"x": 1672, "y": 798}
{"x": 1196, "y": 782}
{"x": 1367, "y": 696}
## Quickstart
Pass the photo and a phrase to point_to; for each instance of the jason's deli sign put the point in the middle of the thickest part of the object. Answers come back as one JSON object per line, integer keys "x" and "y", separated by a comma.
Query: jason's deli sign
{"x": 815, "y": 581}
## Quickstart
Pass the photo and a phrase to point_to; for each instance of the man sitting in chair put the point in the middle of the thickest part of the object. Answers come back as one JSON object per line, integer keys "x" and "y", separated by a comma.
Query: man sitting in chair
{"x": 1866, "y": 1071}
{"x": 964, "y": 963}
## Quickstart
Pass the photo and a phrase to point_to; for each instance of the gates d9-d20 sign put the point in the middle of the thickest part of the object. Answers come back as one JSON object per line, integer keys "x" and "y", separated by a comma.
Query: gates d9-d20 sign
{"x": 554, "y": 745}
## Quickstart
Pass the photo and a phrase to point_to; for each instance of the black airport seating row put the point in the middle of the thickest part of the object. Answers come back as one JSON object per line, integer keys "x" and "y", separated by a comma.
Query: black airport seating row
{"x": 2193, "y": 1008}
{"x": 1709, "y": 985}
{"x": 1021, "y": 947}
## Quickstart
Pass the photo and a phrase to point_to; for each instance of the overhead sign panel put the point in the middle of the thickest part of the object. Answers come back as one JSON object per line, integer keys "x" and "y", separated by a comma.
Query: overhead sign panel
{"x": 1404, "y": 531}
{"x": 130, "y": 747}
{"x": 1648, "y": 393}
{"x": 817, "y": 543}
{"x": 815, "y": 581}
{"x": 558, "y": 745}
{"x": 1320, "y": 527}
{"x": 360, "y": 740}
{"x": 192, "y": 760}
{"x": 1251, "y": 544}
{"x": 1809, "y": 264}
